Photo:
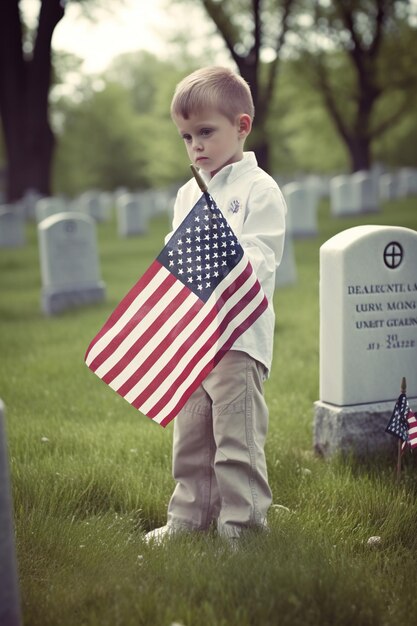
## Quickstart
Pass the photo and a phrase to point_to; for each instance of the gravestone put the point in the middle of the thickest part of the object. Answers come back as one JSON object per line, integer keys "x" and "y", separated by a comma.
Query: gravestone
{"x": 9, "y": 588}
{"x": 407, "y": 182}
{"x": 69, "y": 262}
{"x": 364, "y": 190}
{"x": 45, "y": 207}
{"x": 12, "y": 227}
{"x": 342, "y": 201}
{"x": 388, "y": 187}
{"x": 96, "y": 205}
{"x": 302, "y": 209}
{"x": 287, "y": 270}
{"x": 368, "y": 335}
{"x": 132, "y": 215}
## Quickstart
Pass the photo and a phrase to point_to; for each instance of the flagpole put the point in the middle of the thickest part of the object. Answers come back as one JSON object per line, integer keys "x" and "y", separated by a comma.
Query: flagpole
{"x": 199, "y": 179}
{"x": 399, "y": 451}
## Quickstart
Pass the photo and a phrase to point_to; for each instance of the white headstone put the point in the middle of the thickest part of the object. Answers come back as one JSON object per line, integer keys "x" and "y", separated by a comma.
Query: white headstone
{"x": 342, "y": 200}
{"x": 388, "y": 187}
{"x": 96, "y": 205}
{"x": 368, "y": 314}
{"x": 45, "y": 207}
{"x": 287, "y": 270}
{"x": 9, "y": 589}
{"x": 69, "y": 262}
{"x": 12, "y": 227}
{"x": 407, "y": 182}
{"x": 302, "y": 209}
{"x": 132, "y": 216}
{"x": 368, "y": 333}
{"x": 365, "y": 197}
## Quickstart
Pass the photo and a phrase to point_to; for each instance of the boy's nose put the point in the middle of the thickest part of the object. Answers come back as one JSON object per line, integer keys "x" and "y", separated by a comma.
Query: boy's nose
{"x": 197, "y": 145}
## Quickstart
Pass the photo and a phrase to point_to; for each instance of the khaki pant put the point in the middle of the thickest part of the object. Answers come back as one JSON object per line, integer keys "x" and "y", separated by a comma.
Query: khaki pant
{"x": 218, "y": 451}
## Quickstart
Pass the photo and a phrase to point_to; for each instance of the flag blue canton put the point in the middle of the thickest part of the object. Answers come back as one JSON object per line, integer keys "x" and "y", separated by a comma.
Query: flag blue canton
{"x": 203, "y": 250}
{"x": 398, "y": 425}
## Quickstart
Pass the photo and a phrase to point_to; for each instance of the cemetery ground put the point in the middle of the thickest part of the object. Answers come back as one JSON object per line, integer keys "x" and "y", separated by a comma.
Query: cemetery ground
{"x": 90, "y": 475}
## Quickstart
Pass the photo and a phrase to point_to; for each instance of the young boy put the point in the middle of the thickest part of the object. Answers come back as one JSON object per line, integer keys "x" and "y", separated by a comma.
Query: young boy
{"x": 218, "y": 448}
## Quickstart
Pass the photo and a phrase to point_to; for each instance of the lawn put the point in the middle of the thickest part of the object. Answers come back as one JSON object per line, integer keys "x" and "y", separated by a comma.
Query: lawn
{"x": 90, "y": 475}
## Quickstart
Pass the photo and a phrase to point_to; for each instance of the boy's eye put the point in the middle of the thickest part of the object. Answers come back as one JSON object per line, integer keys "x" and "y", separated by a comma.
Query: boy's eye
{"x": 187, "y": 138}
{"x": 205, "y": 132}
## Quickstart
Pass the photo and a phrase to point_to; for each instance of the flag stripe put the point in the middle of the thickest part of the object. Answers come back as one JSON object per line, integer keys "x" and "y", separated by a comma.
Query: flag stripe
{"x": 195, "y": 365}
{"x": 143, "y": 334}
{"x": 121, "y": 331}
{"x": 124, "y": 305}
{"x": 164, "y": 417}
{"x": 184, "y": 345}
{"x": 145, "y": 372}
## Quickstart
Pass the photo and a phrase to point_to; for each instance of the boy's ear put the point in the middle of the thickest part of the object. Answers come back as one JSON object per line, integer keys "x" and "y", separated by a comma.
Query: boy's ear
{"x": 244, "y": 124}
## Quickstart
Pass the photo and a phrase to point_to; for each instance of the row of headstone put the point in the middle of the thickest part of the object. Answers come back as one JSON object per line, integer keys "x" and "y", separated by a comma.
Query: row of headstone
{"x": 368, "y": 336}
{"x": 353, "y": 194}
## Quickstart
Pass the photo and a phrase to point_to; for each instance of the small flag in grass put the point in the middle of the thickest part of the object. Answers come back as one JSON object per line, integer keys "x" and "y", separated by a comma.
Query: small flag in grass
{"x": 398, "y": 425}
{"x": 181, "y": 317}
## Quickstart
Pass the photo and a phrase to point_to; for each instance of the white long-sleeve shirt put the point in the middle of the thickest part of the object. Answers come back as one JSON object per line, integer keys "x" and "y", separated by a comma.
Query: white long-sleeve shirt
{"x": 253, "y": 204}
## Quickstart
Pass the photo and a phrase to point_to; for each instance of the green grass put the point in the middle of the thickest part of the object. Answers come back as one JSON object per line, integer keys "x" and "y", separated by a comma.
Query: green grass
{"x": 90, "y": 475}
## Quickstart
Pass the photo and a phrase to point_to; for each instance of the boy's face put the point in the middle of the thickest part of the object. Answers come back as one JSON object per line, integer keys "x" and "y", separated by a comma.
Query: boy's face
{"x": 212, "y": 140}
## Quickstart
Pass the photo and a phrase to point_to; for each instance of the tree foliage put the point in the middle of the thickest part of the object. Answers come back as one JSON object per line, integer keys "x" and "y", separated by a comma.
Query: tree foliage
{"x": 361, "y": 57}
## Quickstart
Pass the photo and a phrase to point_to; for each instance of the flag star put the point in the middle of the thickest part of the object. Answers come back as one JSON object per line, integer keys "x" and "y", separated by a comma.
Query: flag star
{"x": 207, "y": 285}
{"x": 180, "y": 271}
{"x": 199, "y": 287}
{"x": 224, "y": 263}
{"x": 188, "y": 240}
{"x": 171, "y": 263}
{"x": 189, "y": 270}
{"x": 188, "y": 230}
{"x": 196, "y": 219}
{"x": 189, "y": 260}
{"x": 216, "y": 274}
{"x": 179, "y": 242}
{"x": 179, "y": 261}
{"x": 207, "y": 257}
{"x": 207, "y": 246}
{"x": 206, "y": 218}
{"x": 170, "y": 252}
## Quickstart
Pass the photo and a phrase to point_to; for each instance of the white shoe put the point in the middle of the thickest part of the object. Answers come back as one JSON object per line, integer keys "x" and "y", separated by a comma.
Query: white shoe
{"x": 159, "y": 535}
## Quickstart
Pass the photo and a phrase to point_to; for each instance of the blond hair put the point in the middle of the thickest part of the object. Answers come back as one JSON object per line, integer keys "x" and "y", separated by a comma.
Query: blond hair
{"x": 212, "y": 87}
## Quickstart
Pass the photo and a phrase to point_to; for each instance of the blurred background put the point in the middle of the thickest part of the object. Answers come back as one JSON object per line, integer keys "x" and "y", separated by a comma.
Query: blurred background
{"x": 86, "y": 85}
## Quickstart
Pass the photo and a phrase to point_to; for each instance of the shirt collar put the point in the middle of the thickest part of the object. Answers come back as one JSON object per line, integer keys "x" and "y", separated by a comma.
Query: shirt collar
{"x": 230, "y": 172}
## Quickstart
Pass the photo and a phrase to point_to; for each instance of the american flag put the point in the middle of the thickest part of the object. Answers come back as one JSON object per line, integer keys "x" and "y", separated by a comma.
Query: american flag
{"x": 412, "y": 431}
{"x": 181, "y": 317}
{"x": 398, "y": 425}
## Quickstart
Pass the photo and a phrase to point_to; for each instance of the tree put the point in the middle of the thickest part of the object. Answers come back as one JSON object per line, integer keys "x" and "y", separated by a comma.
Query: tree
{"x": 252, "y": 32}
{"x": 24, "y": 89}
{"x": 356, "y": 55}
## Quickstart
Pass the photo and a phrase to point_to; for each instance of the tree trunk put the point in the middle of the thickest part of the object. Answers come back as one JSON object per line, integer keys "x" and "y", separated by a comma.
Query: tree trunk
{"x": 24, "y": 90}
{"x": 360, "y": 153}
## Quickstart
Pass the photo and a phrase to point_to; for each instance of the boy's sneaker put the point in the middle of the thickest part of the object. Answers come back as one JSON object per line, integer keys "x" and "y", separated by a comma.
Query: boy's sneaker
{"x": 159, "y": 535}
